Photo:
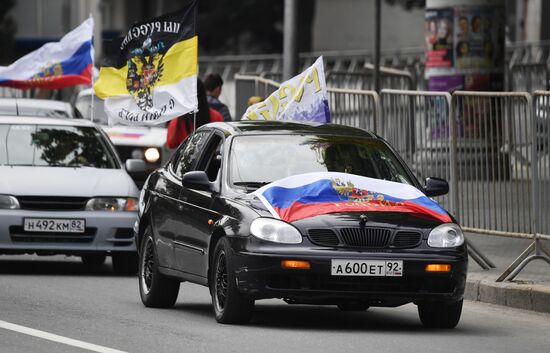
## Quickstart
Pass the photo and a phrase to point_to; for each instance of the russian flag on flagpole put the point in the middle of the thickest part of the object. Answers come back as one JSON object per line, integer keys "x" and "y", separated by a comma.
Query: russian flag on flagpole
{"x": 308, "y": 195}
{"x": 55, "y": 65}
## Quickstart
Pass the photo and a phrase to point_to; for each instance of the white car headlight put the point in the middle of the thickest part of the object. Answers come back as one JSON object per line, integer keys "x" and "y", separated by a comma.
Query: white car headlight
{"x": 112, "y": 204}
{"x": 8, "y": 202}
{"x": 276, "y": 231}
{"x": 152, "y": 154}
{"x": 447, "y": 235}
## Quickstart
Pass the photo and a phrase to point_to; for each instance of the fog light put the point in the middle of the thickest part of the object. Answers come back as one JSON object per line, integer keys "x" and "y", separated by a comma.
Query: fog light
{"x": 438, "y": 268}
{"x": 152, "y": 154}
{"x": 296, "y": 264}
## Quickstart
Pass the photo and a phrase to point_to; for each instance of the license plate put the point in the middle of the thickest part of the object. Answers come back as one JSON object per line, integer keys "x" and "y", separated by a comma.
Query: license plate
{"x": 393, "y": 268}
{"x": 54, "y": 225}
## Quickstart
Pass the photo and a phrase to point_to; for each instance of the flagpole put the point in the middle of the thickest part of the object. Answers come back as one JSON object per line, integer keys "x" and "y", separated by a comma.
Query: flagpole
{"x": 92, "y": 74}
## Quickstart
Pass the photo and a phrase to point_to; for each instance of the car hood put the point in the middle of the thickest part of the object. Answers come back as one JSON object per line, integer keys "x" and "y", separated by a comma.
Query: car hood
{"x": 59, "y": 181}
{"x": 350, "y": 219}
{"x": 136, "y": 135}
{"x": 371, "y": 219}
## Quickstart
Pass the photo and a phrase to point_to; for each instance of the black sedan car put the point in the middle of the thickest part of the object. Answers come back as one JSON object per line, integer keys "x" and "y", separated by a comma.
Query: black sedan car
{"x": 201, "y": 222}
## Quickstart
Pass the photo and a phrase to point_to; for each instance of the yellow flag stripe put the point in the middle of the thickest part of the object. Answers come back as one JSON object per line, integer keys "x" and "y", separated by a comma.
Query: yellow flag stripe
{"x": 180, "y": 61}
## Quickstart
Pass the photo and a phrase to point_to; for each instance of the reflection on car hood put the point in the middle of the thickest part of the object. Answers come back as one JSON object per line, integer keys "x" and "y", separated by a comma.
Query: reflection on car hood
{"x": 60, "y": 181}
{"x": 136, "y": 135}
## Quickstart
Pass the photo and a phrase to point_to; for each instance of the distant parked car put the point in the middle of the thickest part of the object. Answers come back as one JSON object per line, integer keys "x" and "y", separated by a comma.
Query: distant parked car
{"x": 36, "y": 107}
{"x": 137, "y": 142}
{"x": 63, "y": 191}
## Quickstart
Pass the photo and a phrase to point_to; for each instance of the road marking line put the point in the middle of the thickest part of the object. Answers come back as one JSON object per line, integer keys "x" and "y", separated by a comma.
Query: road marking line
{"x": 57, "y": 338}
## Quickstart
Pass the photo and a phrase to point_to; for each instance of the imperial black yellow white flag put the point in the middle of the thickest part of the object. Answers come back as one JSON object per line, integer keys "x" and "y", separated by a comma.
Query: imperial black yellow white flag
{"x": 153, "y": 78}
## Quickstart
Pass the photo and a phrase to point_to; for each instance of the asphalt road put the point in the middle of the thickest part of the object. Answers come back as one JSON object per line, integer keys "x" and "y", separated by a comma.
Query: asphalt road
{"x": 58, "y": 295}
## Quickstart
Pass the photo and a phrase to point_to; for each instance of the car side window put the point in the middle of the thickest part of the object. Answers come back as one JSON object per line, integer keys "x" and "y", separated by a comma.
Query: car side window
{"x": 212, "y": 161}
{"x": 191, "y": 152}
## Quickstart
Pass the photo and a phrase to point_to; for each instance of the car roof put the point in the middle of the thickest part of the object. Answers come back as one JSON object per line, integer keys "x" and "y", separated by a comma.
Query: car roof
{"x": 247, "y": 127}
{"x": 27, "y": 106}
{"x": 36, "y": 120}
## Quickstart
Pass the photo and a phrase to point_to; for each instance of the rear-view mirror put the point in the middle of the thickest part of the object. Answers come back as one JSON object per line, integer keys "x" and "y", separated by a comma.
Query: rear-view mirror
{"x": 197, "y": 180}
{"x": 135, "y": 165}
{"x": 436, "y": 187}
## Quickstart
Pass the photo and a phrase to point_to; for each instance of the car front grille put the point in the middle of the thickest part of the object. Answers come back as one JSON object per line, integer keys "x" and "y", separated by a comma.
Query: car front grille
{"x": 406, "y": 239}
{"x": 323, "y": 237}
{"x": 366, "y": 237}
{"x": 19, "y": 235}
{"x": 374, "y": 239}
{"x": 52, "y": 203}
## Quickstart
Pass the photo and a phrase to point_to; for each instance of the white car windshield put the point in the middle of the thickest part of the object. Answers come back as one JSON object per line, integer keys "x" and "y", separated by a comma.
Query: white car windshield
{"x": 53, "y": 145}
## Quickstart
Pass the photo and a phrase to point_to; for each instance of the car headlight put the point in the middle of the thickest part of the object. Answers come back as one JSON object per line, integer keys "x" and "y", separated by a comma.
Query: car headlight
{"x": 8, "y": 202}
{"x": 112, "y": 204}
{"x": 276, "y": 231}
{"x": 447, "y": 235}
{"x": 152, "y": 154}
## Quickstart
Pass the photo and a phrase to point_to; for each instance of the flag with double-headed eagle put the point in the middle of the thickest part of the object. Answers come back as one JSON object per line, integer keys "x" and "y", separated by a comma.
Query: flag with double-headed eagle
{"x": 312, "y": 194}
{"x": 55, "y": 65}
{"x": 152, "y": 77}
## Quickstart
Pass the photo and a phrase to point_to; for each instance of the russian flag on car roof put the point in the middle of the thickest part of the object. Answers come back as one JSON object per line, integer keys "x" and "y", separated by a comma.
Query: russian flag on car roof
{"x": 55, "y": 65}
{"x": 308, "y": 195}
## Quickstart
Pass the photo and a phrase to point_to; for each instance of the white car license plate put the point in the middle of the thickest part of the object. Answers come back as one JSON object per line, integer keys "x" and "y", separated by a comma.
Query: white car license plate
{"x": 390, "y": 268}
{"x": 54, "y": 225}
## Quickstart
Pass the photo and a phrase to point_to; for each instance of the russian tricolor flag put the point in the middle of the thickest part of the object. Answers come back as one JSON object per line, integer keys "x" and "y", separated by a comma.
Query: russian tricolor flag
{"x": 308, "y": 195}
{"x": 55, "y": 65}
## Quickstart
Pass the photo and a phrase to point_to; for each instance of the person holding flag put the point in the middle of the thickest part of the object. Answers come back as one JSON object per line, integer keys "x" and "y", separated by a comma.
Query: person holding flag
{"x": 153, "y": 78}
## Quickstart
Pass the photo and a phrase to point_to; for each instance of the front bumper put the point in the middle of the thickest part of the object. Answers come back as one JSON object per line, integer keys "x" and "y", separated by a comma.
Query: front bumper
{"x": 105, "y": 232}
{"x": 259, "y": 275}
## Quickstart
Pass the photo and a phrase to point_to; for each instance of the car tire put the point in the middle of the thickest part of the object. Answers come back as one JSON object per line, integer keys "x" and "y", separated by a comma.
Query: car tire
{"x": 155, "y": 289}
{"x": 353, "y": 306}
{"x": 440, "y": 314}
{"x": 93, "y": 260}
{"x": 230, "y": 306}
{"x": 125, "y": 263}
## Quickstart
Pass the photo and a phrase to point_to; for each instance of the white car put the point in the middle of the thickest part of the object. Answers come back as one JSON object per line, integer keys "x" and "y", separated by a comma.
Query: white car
{"x": 63, "y": 190}
{"x": 131, "y": 142}
{"x": 36, "y": 107}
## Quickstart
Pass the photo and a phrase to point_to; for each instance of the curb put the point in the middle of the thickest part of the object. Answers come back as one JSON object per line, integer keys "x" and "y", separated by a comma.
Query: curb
{"x": 517, "y": 294}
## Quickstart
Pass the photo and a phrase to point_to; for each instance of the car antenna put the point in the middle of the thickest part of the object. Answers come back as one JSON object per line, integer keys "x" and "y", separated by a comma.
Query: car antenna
{"x": 16, "y": 107}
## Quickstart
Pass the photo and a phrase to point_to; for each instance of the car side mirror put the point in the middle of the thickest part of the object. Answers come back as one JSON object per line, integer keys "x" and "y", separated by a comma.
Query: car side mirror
{"x": 436, "y": 187}
{"x": 196, "y": 180}
{"x": 135, "y": 165}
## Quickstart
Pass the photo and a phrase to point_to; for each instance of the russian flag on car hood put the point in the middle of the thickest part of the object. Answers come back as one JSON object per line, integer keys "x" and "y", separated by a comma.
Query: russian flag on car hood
{"x": 55, "y": 65}
{"x": 308, "y": 195}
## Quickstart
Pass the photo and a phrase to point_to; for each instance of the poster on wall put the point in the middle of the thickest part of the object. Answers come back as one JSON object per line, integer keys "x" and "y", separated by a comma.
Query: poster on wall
{"x": 464, "y": 48}
{"x": 438, "y": 37}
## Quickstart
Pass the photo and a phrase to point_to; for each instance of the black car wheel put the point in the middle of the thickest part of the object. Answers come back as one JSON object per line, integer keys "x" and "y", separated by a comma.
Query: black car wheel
{"x": 125, "y": 263}
{"x": 440, "y": 315}
{"x": 230, "y": 306}
{"x": 155, "y": 289}
{"x": 353, "y": 306}
{"x": 94, "y": 260}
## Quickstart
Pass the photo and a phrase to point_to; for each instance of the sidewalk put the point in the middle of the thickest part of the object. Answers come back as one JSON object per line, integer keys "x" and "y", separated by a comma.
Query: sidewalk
{"x": 530, "y": 290}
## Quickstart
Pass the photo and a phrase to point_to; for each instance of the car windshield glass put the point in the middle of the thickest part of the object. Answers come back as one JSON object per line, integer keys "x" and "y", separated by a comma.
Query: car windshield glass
{"x": 51, "y": 145}
{"x": 258, "y": 160}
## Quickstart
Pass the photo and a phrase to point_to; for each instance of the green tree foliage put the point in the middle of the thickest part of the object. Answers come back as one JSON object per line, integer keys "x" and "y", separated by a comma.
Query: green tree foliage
{"x": 7, "y": 32}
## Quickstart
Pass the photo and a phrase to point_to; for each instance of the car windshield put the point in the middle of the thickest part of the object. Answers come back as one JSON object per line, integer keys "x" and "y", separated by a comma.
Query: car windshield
{"x": 56, "y": 146}
{"x": 261, "y": 159}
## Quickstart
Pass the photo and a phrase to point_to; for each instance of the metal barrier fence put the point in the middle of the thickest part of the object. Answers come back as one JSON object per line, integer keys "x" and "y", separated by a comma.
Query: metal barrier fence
{"x": 417, "y": 125}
